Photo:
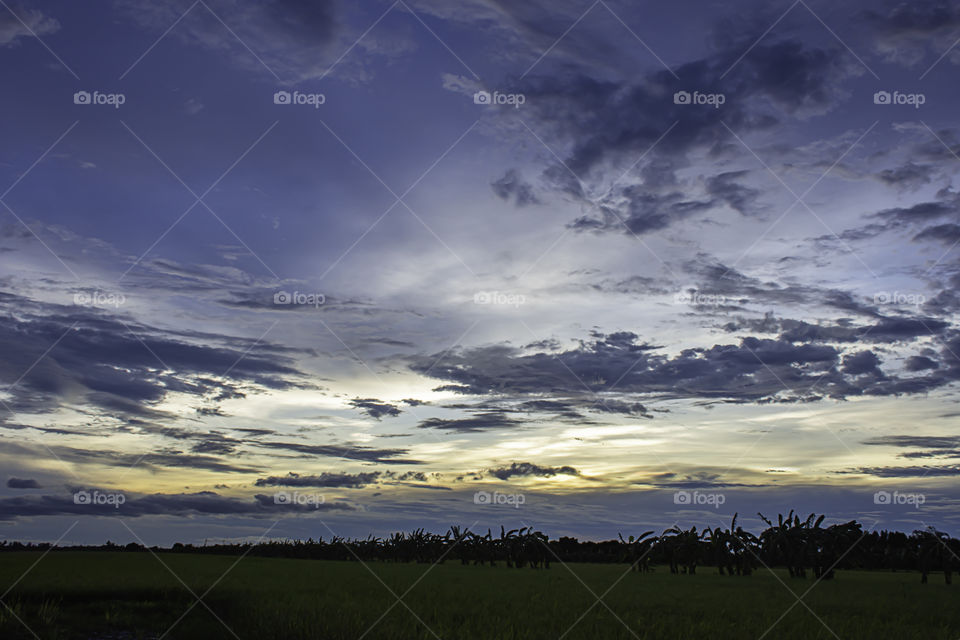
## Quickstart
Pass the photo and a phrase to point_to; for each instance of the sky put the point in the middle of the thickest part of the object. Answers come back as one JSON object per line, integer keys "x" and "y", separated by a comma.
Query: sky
{"x": 296, "y": 269}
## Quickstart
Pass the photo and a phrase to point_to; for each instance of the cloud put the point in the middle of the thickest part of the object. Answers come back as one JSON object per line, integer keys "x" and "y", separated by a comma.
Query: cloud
{"x": 512, "y": 186}
{"x": 19, "y": 22}
{"x": 696, "y": 480}
{"x": 203, "y": 503}
{"x": 907, "y": 472}
{"x": 165, "y": 459}
{"x": 375, "y": 408}
{"x": 948, "y": 234}
{"x": 292, "y": 39}
{"x": 908, "y": 176}
{"x": 526, "y": 469}
{"x": 123, "y": 366}
{"x": 920, "y": 363}
{"x": 366, "y": 454}
{"x": 482, "y": 421}
{"x": 945, "y": 205}
{"x": 604, "y": 125}
{"x": 338, "y": 480}
{"x": 908, "y": 31}
{"x": 617, "y": 366}
{"x": 861, "y": 363}
{"x": 22, "y": 483}
{"x": 724, "y": 187}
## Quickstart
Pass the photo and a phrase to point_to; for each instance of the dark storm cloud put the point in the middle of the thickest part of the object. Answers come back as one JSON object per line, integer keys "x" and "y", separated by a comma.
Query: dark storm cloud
{"x": 927, "y": 446}
{"x": 568, "y": 407}
{"x": 756, "y": 369}
{"x": 527, "y": 469}
{"x": 888, "y": 330}
{"x": 862, "y": 363}
{"x": 375, "y": 408}
{"x": 339, "y": 480}
{"x": 55, "y": 352}
{"x": 906, "y": 472}
{"x": 717, "y": 279}
{"x": 607, "y": 124}
{"x": 408, "y": 476}
{"x": 908, "y": 176}
{"x": 642, "y": 211}
{"x": 341, "y": 451}
{"x": 255, "y": 432}
{"x": 945, "y": 205}
{"x": 698, "y": 480}
{"x": 204, "y": 503}
{"x": 920, "y": 363}
{"x": 164, "y": 459}
{"x": 22, "y": 483}
{"x": 512, "y": 186}
{"x": 726, "y": 188}
{"x": 561, "y": 408}
{"x": 926, "y": 442}
{"x": 219, "y": 446}
{"x": 481, "y": 421}
{"x": 948, "y": 234}
{"x": 264, "y": 300}
{"x": 624, "y": 408}
{"x": 599, "y": 364}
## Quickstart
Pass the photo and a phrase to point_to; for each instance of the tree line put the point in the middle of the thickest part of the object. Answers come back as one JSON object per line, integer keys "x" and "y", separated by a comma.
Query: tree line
{"x": 802, "y": 546}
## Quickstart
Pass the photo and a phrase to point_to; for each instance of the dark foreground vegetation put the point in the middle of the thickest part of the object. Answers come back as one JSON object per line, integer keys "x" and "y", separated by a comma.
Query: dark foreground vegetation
{"x": 423, "y": 585}
{"x": 800, "y": 546}
{"x": 120, "y": 596}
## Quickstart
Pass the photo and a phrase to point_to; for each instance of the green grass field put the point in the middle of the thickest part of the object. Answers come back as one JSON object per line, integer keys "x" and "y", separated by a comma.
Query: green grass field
{"x": 132, "y": 595}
